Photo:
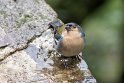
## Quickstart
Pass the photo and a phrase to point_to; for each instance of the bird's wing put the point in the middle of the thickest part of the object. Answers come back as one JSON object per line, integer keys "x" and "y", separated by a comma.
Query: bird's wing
{"x": 82, "y": 34}
{"x": 58, "y": 43}
{"x": 57, "y": 37}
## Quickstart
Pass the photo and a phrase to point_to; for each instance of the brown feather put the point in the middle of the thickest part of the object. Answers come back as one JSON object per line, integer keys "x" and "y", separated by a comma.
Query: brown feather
{"x": 72, "y": 43}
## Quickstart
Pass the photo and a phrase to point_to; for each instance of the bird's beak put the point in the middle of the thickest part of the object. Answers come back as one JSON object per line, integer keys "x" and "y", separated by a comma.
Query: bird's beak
{"x": 68, "y": 28}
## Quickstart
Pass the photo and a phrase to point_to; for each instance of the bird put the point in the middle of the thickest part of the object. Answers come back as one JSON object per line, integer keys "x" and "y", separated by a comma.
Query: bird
{"x": 71, "y": 40}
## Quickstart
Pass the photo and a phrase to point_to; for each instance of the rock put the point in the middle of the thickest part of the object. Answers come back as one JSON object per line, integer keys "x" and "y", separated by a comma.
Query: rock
{"x": 4, "y": 39}
{"x": 27, "y": 45}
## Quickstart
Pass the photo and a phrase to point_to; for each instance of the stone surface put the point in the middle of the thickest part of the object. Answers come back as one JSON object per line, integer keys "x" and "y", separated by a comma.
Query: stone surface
{"x": 4, "y": 38}
{"x": 27, "y": 52}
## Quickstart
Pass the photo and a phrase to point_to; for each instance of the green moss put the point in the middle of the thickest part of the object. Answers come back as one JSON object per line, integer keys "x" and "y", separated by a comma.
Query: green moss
{"x": 42, "y": 16}
{"x": 37, "y": 1}
{"x": 3, "y": 13}
{"x": 23, "y": 19}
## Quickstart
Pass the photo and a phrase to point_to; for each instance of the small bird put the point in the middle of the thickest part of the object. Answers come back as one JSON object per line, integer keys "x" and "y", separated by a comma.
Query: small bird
{"x": 71, "y": 41}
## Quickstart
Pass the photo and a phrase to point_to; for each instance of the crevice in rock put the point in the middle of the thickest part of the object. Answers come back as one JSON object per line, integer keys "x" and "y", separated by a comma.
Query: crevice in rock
{"x": 2, "y": 47}
{"x": 21, "y": 48}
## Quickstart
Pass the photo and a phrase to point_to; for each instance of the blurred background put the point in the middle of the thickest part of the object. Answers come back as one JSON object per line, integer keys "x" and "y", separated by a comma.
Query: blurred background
{"x": 102, "y": 22}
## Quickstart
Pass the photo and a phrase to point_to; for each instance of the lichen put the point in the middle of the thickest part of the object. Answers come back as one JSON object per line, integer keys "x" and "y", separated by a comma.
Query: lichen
{"x": 37, "y": 1}
{"x": 23, "y": 19}
{"x": 2, "y": 12}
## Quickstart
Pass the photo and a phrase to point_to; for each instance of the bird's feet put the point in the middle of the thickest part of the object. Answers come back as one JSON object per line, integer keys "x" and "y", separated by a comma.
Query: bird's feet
{"x": 69, "y": 62}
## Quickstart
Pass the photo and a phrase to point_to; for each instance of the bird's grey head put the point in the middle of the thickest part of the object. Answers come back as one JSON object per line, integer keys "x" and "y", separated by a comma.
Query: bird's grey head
{"x": 73, "y": 27}
{"x": 70, "y": 26}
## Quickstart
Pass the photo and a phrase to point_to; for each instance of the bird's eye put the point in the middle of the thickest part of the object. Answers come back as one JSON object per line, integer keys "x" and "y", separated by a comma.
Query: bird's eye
{"x": 70, "y": 25}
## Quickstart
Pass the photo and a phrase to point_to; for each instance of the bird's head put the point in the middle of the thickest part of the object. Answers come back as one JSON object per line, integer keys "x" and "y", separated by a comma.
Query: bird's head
{"x": 73, "y": 28}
